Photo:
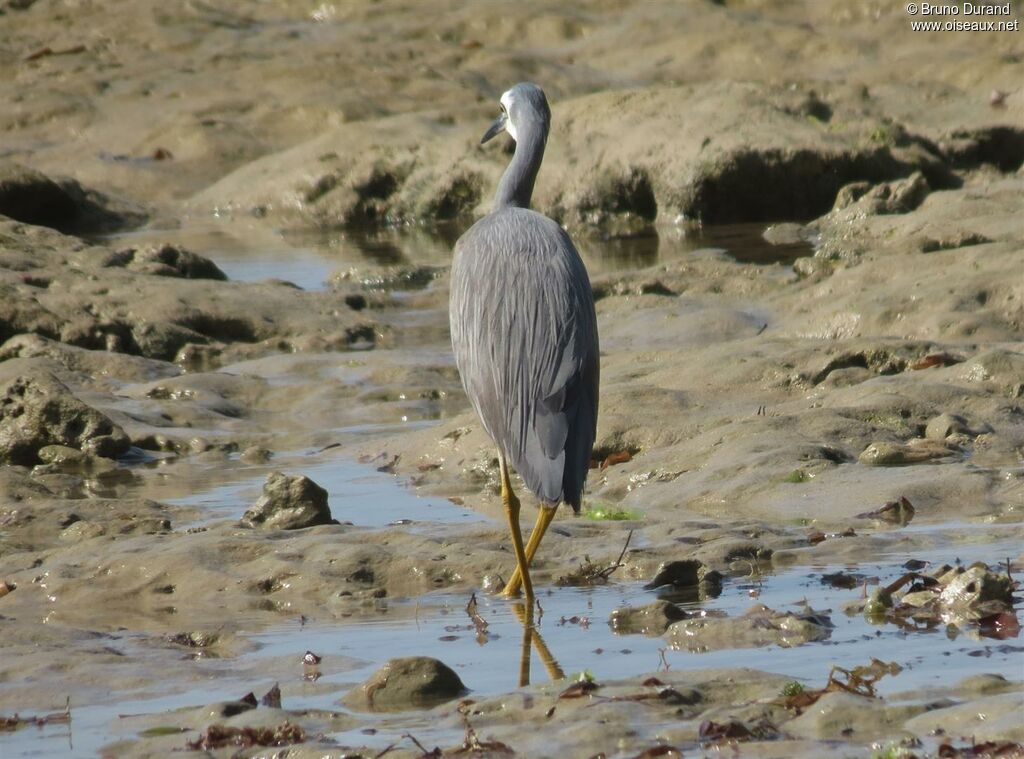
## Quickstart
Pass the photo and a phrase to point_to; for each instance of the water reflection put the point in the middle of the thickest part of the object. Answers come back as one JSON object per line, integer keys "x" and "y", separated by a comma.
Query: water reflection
{"x": 533, "y": 639}
{"x": 307, "y": 257}
{"x": 619, "y": 254}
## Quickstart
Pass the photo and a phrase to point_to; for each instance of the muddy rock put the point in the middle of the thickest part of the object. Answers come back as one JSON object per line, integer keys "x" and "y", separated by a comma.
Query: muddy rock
{"x": 786, "y": 233}
{"x": 37, "y": 410}
{"x": 289, "y": 503}
{"x": 969, "y": 590}
{"x": 17, "y": 485}
{"x": 94, "y": 363}
{"x": 82, "y": 530}
{"x": 34, "y": 198}
{"x": 407, "y": 683}
{"x": 394, "y": 277}
{"x": 651, "y": 620}
{"x": 1003, "y": 367}
{"x": 256, "y": 454}
{"x": 759, "y": 627}
{"x": 988, "y": 718}
{"x": 917, "y": 451}
{"x": 835, "y": 714}
{"x": 62, "y": 458}
{"x": 685, "y": 573}
{"x": 899, "y": 196}
{"x": 161, "y": 302}
{"x": 944, "y": 425}
{"x": 167, "y": 261}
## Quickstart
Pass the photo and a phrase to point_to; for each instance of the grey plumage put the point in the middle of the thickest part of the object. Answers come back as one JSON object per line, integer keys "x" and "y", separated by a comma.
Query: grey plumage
{"x": 524, "y": 330}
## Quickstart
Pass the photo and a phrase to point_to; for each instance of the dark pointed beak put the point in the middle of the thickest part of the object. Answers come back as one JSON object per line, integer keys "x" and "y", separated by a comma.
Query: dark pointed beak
{"x": 496, "y": 127}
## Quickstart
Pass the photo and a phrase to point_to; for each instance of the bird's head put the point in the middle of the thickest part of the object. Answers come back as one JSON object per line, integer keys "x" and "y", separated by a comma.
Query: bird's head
{"x": 524, "y": 109}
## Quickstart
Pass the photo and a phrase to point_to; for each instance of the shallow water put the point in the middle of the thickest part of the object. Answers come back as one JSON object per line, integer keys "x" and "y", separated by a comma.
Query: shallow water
{"x": 358, "y": 493}
{"x": 307, "y": 258}
{"x": 574, "y": 626}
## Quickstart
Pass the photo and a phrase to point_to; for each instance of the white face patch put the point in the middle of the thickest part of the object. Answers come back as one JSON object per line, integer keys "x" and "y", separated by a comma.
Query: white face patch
{"x": 507, "y": 100}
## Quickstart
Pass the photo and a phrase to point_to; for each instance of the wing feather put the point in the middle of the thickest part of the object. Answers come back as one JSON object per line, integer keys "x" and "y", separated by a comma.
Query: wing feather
{"x": 524, "y": 333}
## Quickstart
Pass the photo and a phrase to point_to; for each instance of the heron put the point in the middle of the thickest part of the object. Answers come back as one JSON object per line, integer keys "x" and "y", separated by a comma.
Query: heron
{"x": 524, "y": 335}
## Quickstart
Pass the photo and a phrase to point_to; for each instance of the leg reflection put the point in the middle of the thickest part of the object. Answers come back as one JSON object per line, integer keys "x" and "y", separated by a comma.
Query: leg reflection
{"x": 532, "y": 638}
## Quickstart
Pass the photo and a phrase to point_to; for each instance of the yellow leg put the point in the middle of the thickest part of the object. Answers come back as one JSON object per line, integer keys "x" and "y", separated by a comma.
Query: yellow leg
{"x": 511, "y": 503}
{"x": 544, "y": 517}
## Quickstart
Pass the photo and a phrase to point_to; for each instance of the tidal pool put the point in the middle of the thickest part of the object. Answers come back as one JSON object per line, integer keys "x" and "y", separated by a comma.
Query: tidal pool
{"x": 574, "y": 627}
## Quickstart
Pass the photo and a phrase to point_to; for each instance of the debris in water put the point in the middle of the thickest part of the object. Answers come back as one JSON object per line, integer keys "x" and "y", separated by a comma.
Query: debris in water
{"x": 616, "y": 457}
{"x": 1000, "y": 626}
{"x": 988, "y": 749}
{"x": 389, "y": 467}
{"x": 817, "y": 536}
{"x": 583, "y": 686}
{"x": 958, "y": 596}
{"x": 194, "y": 639}
{"x": 899, "y": 512}
{"x": 844, "y": 580}
{"x": 220, "y": 736}
{"x": 859, "y": 681}
{"x": 734, "y": 730}
{"x": 936, "y": 359}
{"x": 471, "y": 744}
{"x": 272, "y": 697}
{"x": 656, "y": 751}
{"x": 15, "y": 721}
{"x": 310, "y": 669}
{"x": 687, "y": 580}
{"x": 249, "y": 699}
{"x": 590, "y": 573}
{"x": 479, "y": 623}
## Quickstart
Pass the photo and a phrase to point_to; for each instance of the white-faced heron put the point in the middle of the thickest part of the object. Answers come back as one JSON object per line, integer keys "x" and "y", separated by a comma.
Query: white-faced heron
{"x": 524, "y": 333}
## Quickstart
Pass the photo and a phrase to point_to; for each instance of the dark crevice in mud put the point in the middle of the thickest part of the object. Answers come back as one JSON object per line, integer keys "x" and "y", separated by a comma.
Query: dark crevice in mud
{"x": 361, "y": 334}
{"x": 225, "y": 329}
{"x": 877, "y": 361}
{"x": 630, "y": 193}
{"x": 373, "y": 194}
{"x": 356, "y": 301}
{"x": 761, "y": 186}
{"x": 62, "y": 204}
{"x": 457, "y": 198}
{"x": 1000, "y": 146}
{"x": 603, "y": 452}
{"x": 618, "y": 205}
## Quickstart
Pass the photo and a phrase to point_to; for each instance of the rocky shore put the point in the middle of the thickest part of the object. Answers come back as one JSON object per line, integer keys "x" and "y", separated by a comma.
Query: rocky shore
{"x": 755, "y": 417}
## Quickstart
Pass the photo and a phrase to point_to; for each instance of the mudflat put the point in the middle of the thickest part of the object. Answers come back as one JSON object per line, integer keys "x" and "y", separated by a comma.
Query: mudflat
{"x": 244, "y": 504}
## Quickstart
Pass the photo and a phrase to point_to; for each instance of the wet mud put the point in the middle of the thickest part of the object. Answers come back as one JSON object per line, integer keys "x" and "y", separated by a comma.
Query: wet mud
{"x": 245, "y": 508}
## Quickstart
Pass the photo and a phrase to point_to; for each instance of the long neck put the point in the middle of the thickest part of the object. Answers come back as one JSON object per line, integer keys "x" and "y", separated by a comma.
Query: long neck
{"x": 516, "y": 185}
